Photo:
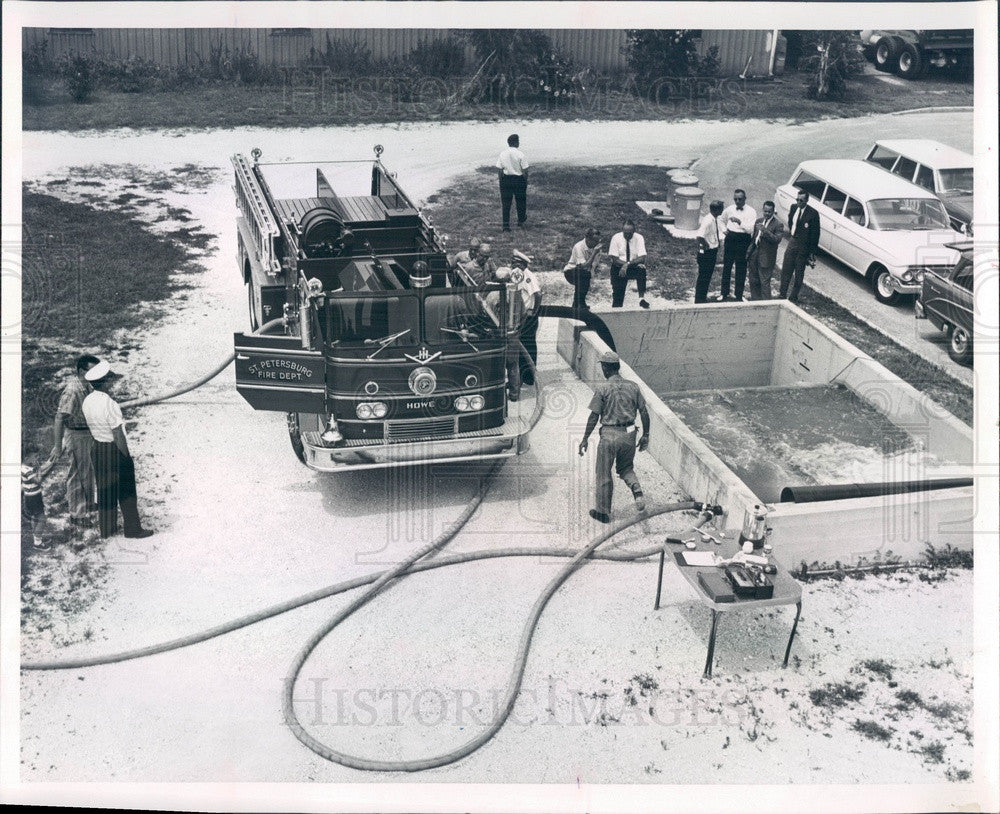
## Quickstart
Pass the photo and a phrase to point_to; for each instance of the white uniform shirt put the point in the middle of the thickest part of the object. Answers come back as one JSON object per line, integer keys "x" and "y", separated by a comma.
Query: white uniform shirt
{"x": 582, "y": 254}
{"x": 512, "y": 162}
{"x": 636, "y": 246}
{"x": 747, "y": 216}
{"x": 103, "y": 414}
{"x": 527, "y": 288}
{"x": 709, "y": 230}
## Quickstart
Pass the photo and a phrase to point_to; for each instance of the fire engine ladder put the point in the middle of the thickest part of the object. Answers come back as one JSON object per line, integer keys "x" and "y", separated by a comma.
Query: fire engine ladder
{"x": 260, "y": 221}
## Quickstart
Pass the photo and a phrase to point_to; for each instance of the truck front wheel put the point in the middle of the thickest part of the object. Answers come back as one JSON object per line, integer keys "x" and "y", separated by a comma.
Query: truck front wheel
{"x": 910, "y": 63}
{"x": 886, "y": 54}
{"x": 295, "y": 436}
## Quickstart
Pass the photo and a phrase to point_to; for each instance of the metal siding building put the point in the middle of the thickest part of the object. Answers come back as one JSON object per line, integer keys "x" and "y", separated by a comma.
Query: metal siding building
{"x": 599, "y": 49}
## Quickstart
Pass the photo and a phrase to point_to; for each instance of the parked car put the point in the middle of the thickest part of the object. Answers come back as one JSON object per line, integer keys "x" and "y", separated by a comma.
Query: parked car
{"x": 909, "y": 53}
{"x": 946, "y": 300}
{"x": 943, "y": 170}
{"x": 883, "y": 227}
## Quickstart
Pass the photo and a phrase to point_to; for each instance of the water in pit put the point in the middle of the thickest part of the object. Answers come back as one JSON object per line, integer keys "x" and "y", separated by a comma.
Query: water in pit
{"x": 777, "y": 437}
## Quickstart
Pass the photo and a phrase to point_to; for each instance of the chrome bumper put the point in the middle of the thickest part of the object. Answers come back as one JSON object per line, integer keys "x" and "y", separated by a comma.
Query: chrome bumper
{"x": 905, "y": 288}
{"x": 509, "y": 440}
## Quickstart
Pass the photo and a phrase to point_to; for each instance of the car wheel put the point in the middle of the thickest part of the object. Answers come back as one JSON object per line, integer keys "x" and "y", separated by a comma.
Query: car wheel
{"x": 887, "y": 54}
{"x": 960, "y": 345}
{"x": 910, "y": 63}
{"x": 254, "y": 322}
{"x": 881, "y": 281}
{"x": 295, "y": 436}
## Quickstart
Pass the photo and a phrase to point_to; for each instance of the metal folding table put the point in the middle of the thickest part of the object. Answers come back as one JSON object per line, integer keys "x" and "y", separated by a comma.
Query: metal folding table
{"x": 787, "y": 591}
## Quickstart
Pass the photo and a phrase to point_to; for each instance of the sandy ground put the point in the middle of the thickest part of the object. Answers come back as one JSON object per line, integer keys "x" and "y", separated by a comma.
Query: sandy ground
{"x": 241, "y": 524}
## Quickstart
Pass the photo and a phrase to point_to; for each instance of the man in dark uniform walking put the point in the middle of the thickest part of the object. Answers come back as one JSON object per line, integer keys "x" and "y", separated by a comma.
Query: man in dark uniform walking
{"x": 615, "y": 404}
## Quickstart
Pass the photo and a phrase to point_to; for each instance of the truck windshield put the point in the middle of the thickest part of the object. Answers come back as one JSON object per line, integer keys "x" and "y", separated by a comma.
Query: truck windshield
{"x": 468, "y": 313}
{"x": 355, "y": 319}
{"x": 906, "y": 215}
{"x": 956, "y": 181}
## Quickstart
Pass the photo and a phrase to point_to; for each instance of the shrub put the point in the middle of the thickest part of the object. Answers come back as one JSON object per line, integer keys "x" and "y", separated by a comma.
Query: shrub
{"x": 832, "y": 58}
{"x": 521, "y": 64}
{"x": 872, "y": 730}
{"x": 664, "y": 53}
{"x": 709, "y": 64}
{"x": 81, "y": 78}
{"x": 947, "y": 557}
{"x": 130, "y": 75}
{"x": 441, "y": 58}
{"x": 832, "y": 695}
{"x": 345, "y": 57}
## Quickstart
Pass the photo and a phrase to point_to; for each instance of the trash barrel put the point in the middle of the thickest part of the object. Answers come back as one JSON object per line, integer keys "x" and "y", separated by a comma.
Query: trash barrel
{"x": 684, "y": 180}
{"x": 686, "y": 208}
{"x": 671, "y": 185}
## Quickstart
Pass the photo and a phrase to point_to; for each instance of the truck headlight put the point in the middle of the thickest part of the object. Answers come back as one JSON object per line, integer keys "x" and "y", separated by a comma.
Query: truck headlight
{"x": 476, "y": 402}
{"x": 364, "y": 410}
{"x": 462, "y": 404}
{"x": 371, "y": 409}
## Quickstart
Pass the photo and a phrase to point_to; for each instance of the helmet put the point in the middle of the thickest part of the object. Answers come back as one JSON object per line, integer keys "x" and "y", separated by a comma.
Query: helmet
{"x": 420, "y": 276}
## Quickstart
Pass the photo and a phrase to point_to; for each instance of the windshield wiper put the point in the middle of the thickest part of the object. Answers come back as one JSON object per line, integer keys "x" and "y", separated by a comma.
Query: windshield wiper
{"x": 464, "y": 334}
{"x": 384, "y": 342}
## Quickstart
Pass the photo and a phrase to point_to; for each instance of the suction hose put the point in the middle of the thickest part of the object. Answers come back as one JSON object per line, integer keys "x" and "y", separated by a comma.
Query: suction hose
{"x": 377, "y": 582}
{"x": 204, "y": 379}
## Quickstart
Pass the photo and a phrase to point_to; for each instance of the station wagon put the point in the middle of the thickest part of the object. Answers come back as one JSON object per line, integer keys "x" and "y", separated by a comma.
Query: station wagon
{"x": 946, "y": 300}
{"x": 943, "y": 170}
{"x": 887, "y": 229}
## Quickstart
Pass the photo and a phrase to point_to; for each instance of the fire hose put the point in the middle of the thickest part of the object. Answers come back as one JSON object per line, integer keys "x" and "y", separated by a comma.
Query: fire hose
{"x": 413, "y": 563}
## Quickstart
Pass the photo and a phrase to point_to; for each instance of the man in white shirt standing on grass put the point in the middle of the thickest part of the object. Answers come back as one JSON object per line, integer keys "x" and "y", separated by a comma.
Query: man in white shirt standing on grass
{"x": 512, "y": 169}
{"x": 738, "y": 220}
{"x": 627, "y": 251}
{"x": 113, "y": 465}
{"x": 708, "y": 250}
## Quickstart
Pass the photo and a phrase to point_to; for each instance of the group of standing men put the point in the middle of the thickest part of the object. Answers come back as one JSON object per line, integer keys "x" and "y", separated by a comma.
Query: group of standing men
{"x": 750, "y": 247}
{"x": 90, "y": 428}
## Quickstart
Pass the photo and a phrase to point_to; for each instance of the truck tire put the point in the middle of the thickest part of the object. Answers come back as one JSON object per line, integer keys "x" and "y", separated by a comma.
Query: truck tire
{"x": 295, "y": 436}
{"x": 960, "y": 345}
{"x": 887, "y": 54}
{"x": 910, "y": 63}
{"x": 254, "y": 322}
{"x": 881, "y": 286}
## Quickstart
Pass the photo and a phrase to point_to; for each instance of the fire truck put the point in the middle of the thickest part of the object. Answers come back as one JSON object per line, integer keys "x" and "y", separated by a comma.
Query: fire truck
{"x": 371, "y": 370}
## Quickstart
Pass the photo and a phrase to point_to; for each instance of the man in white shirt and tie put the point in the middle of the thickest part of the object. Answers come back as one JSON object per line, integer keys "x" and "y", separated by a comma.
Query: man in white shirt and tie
{"x": 708, "y": 250}
{"x": 512, "y": 170}
{"x": 627, "y": 251}
{"x": 763, "y": 252}
{"x": 738, "y": 220}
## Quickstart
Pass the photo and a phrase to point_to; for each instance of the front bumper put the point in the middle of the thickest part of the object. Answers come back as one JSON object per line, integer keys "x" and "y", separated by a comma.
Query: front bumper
{"x": 506, "y": 441}
{"x": 904, "y": 288}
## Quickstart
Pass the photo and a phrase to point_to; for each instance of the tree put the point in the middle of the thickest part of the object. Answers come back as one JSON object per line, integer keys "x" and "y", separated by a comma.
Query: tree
{"x": 833, "y": 58}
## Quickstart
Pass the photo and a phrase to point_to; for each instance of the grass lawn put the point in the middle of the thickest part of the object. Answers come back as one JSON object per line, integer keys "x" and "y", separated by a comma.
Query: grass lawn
{"x": 374, "y": 100}
{"x": 564, "y": 201}
{"x": 91, "y": 278}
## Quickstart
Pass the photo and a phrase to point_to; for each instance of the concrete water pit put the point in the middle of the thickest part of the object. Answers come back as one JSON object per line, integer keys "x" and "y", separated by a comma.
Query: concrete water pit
{"x": 759, "y": 403}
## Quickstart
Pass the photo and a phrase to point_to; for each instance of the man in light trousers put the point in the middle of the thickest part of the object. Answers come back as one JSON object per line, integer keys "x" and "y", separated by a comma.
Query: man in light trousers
{"x": 70, "y": 433}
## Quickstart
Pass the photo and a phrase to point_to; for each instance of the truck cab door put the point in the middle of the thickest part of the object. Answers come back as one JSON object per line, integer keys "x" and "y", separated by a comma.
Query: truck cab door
{"x": 277, "y": 373}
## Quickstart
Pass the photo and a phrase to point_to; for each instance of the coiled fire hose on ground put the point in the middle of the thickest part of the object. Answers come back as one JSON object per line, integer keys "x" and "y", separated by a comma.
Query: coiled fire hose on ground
{"x": 414, "y": 563}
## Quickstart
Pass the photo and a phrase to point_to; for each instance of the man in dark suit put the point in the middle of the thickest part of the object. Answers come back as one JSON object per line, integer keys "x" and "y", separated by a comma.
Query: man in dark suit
{"x": 803, "y": 240}
{"x": 763, "y": 252}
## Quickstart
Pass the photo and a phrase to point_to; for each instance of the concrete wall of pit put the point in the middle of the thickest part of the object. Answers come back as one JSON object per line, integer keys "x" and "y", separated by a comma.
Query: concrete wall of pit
{"x": 775, "y": 344}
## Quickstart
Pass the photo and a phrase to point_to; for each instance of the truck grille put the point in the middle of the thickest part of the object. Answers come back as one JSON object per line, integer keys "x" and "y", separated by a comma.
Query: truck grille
{"x": 415, "y": 430}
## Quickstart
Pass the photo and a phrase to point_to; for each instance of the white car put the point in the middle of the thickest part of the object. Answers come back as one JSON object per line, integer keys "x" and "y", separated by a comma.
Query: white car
{"x": 883, "y": 227}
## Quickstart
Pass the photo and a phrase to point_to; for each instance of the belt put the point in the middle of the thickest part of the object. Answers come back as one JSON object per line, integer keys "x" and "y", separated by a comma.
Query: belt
{"x": 84, "y": 428}
{"x": 618, "y": 426}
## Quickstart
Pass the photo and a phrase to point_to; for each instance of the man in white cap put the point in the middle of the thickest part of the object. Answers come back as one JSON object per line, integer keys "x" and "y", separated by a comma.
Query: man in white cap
{"x": 529, "y": 292}
{"x": 615, "y": 404}
{"x": 113, "y": 465}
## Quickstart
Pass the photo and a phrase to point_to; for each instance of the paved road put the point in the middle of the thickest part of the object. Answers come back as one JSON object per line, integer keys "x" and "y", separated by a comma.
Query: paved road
{"x": 767, "y": 159}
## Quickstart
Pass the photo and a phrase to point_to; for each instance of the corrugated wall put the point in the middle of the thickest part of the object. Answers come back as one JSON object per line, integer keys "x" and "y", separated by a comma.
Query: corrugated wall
{"x": 597, "y": 48}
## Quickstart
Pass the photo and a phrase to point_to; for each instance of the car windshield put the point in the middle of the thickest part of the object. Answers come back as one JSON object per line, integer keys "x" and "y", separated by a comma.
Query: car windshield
{"x": 356, "y": 319}
{"x": 956, "y": 181}
{"x": 907, "y": 214}
{"x": 465, "y": 316}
